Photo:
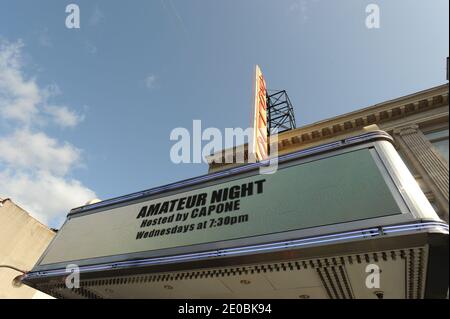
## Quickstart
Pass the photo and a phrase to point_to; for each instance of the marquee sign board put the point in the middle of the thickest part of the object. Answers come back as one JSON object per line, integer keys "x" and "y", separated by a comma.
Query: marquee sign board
{"x": 246, "y": 207}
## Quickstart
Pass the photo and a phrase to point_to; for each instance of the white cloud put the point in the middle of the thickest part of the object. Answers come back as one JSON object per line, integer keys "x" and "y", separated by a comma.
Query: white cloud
{"x": 35, "y": 167}
{"x": 24, "y": 150}
{"x": 150, "y": 81}
{"x": 63, "y": 116}
{"x": 45, "y": 196}
{"x": 19, "y": 97}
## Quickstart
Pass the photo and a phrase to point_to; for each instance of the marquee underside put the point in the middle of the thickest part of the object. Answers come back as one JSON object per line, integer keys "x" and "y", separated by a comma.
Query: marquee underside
{"x": 336, "y": 277}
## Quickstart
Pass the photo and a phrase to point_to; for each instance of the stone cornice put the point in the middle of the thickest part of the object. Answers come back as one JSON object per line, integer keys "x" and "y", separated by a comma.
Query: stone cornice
{"x": 344, "y": 124}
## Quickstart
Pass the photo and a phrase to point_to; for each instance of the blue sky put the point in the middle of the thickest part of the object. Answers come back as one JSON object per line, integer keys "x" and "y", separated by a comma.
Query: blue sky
{"x": 103, "y": 99}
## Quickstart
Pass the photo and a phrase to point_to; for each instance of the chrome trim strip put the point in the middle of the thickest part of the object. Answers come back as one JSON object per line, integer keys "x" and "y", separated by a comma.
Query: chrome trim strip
{"x": 442, "y": 229}
{"x": 441, "y": 224}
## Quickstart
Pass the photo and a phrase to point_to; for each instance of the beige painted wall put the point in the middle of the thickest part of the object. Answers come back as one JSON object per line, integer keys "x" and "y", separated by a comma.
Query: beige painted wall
{"x": 22, "y": 241}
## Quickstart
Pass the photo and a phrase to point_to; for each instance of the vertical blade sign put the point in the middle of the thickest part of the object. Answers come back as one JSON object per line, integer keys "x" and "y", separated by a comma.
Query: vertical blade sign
{"x": 260, "y": 143}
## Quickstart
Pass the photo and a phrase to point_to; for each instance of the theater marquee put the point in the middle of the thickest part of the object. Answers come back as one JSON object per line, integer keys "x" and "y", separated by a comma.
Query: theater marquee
{"x": 245, "y": 207}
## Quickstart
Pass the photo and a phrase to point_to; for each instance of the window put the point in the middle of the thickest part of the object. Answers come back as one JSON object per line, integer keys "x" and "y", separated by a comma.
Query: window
{"x": 439, "y": 139}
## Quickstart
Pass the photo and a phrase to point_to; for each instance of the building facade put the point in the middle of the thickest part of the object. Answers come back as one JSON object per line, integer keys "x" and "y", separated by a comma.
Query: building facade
{"x": 417, "y": 122}
{"x": 343, "y": 200}
{"x": 23, "y": 239}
